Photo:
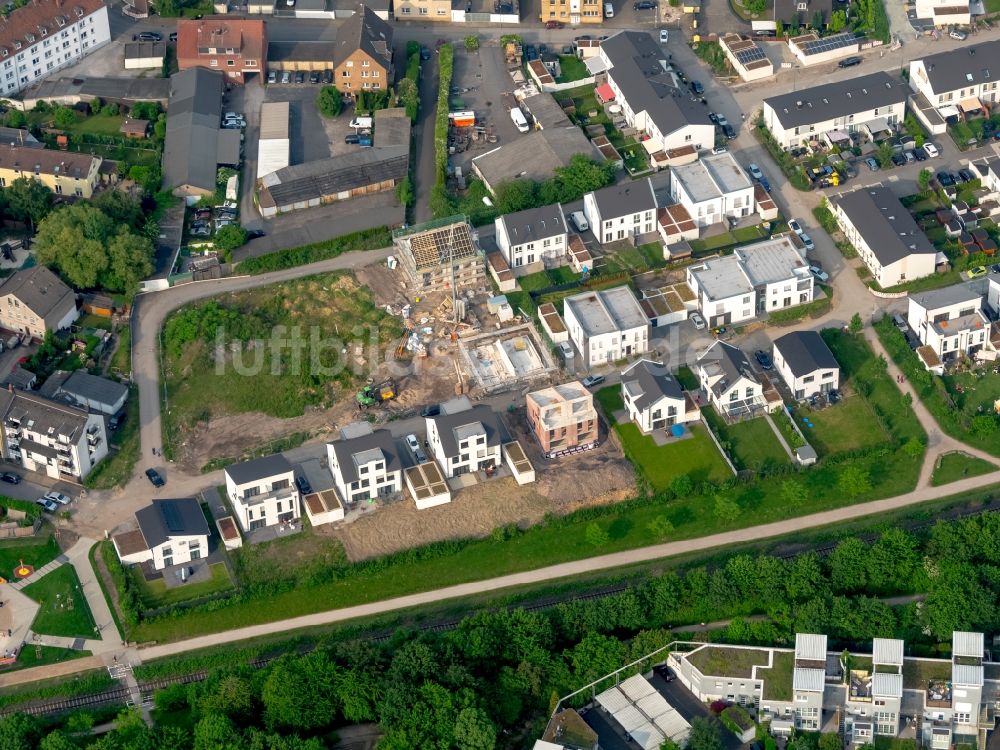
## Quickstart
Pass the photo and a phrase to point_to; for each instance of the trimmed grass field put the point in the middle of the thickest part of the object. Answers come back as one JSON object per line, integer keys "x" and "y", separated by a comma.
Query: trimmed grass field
{"x": 843, "y": 427}
{"x": 954, "y": 466}
{"x": 156, "y": 594}
{"x": 62, "y": 607}
{"x": 734, "y": 662}
{"x": 39, "y": 656}
{"x": 752, "y": 444}
{"x": 572, "y": 68}
{"x": 34, "y": 552}
{"x": 778, "y": 679}
{"x": 695, "y": 456}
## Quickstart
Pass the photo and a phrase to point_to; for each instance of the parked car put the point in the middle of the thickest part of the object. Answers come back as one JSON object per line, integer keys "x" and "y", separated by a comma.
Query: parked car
{"x": 959, "y": 35}
{"x": 567, "y": 350}
{"x": 203, "y": 231}
{"x": 794, "y": 225}
{"x": 719, "y": 149}
{"x": 414, "y": 445}
{"x": 720, "y": 120}
{"x": 580, "y": 221}
{"x": 919, "y": 154}
{"x": 807, "y": 242}
{"x": 530, "y": 52}
{"x": 58, "y": 497}
{"x": 964, "y": 175}
{"x": 931, "y": 150}
{"x": 272, "y": 76}
{"x": 946, "y": 179}
{"x": 147, "y": 36}
{"x": 696, "y": 88}
{"x": 664, "y": 36}
{"x": 314, "y": 77}
{"x": 728, "y": 130}
{"x": 10, "y": 477}
{"x": 300, "y": 76}
{"x": 303, "y": 484}
{"x": 155, "y": 478}
{"x": 286, "y": 76}
{"x": 713, "y": 117}
{"x": 755, "y": 172}
{"x": 763, "y": 359}
{"x": 431, "y": 410}
{"x": 327, "y": 76}
{"x": 976, "y": 272}
{"x": 698, "y": 321}
{"x": 352, "y": 139}
{"x": 995, "y": 268}
{"x": 849, "y": 62}
{"x": 591, "y": 380}
{"x": 47, "y": 504}
{"x": 909, "y": 156}
{"x": 425, "y": 54}
{"x": 872, "y": 164}
{"x": 898, "y": 159}
{"x": 644, "y": 5}
{"x": 819, "y": 273}
{"x": 554, "y": 24}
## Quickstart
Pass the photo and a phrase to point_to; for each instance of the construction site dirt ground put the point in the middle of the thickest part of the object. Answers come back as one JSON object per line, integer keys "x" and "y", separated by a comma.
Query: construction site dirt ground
{"x": 476, "y": 511}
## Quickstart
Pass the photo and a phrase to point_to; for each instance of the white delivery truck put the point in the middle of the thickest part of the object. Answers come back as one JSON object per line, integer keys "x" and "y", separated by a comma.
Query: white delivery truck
{"x": 518, "y": 117}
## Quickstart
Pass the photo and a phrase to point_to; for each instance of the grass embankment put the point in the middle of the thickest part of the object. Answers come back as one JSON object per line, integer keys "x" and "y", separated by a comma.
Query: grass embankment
{"x": 63, "y": 609}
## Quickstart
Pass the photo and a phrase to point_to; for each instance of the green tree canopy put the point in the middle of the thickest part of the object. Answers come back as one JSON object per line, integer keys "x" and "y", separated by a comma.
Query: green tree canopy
{"x": 329, "y": 102}
{"x": 30, "y": 201}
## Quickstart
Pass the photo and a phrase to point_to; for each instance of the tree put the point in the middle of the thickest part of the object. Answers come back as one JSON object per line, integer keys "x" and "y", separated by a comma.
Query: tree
{"x": 660, "y": 527}
{"x": 705, "y": 734}
{"x": 779, "y": 29}
{"x": 682, "y": 485}
{"x": 913, "y": 447}
{"x": 595, "y": 535}
{"x": 848, "y": 564}
{"x": 229, "y": 238}
{"x": 19, "y": 732}
{"x": 120, "y": 207}
{"x": 15, "y": 118}
{"x": 755, "y": 7}
{"x": 57, "y": 740}
{"x": 474, "y": 730}
{"x": 830, "y": 741}
{"x": 515, "y": 195}
{"x": 817, "y": 20}
{"x": 110, "y": 110}
{"x": 472, "y": 42}
{"x": 725, "y": 508}
{"x": 329, "y": 102}
{"x": 30, "y": 201}
{"x": 793, "y": 493}
{"x": 216, "y": 732}
{"x": 838, "y": 21}
{"x": 408, "y": 95}
{"x": 924, "y": 179}
{"x": 160, "y": 127}
{"x": 404, "y": 192}
{"x": 854, "y": 481}
{"x": 73, "y": 239}
{"x": 146, "y": 110}
{"x": 581, "y": 176}
{"x": 64, "y": 117}
{"x": 856, "y": 324}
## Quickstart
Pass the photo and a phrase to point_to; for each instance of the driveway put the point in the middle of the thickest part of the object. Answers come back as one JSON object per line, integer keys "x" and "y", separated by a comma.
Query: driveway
{"x": 423, "y": 139}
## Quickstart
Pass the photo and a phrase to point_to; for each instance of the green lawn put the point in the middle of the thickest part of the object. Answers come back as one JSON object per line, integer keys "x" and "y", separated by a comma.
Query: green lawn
{"x": 752, "y": 443}
{"x": 534, "y": 282}
{"x": 778, "y": 678}
{"x": 687, "y": 379}
{"x": 62, "y": 608}
{"x": 845, "y": 426}
{"x": 116, "y": 468}
{"x": 38, "y": 656}
{"x": 34, "y": 552}
{"x": 98, "y": 125}
{"x": 726, "y": 240}
{"x": 156, "y": 594}
{"x": 916, "y": 674}
{"x": 572, "y": 68}
{"x": 731, "y": 662}
{"x": 93, "y": 321}
{"x": 954, "y": 466}
{"x": 610, "y": 399}
{"x": 695, "y": 456}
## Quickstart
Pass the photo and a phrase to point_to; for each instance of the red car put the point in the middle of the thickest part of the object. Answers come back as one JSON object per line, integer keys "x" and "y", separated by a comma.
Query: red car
{"x": 554, "y": 24}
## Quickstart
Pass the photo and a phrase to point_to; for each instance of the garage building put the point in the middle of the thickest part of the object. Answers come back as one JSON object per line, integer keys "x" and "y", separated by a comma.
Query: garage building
{"x": 307, "y": 56}
{"x": 273, "y": 147}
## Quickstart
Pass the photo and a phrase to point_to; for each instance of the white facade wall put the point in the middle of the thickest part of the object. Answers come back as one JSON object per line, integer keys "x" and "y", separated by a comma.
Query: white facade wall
{"x": 61, "y": 47}
{"x": 267, "y": 501}
{"x": 607, "y": 347}
{"x": 796, "y": 136}
{"x": 374, "y": 480}
{"x": 911, "y": 267}
{"x": 527, "y": 253}
{"x": 664, "y": 411}
{"x": 821, "y": 380}
{"x": 948, "y": 342}
{"x": 178, "y": 550}
{"x": 614, "y": 228}
{"x": 473, "y": 452}
{"x": 986, "y": 91}
{"x": 75, "y": 459}
{"x": 736, "y": 204}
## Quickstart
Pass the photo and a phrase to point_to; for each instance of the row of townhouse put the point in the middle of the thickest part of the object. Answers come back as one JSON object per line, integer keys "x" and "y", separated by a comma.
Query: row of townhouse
{"x": 865, "y": 695}
{"x": 950, "y": 85}
{"x": 956, "y": 321}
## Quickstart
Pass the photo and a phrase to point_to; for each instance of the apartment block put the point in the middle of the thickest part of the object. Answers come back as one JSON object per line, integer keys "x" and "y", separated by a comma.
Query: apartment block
{"x": 465, "y": 438}
{"x": 263, "y": 492}
{"x": 365, "y": 463}
{"x": 572, "y": 12}
{"x": 62, "y": 172}
{"x": 563, "y": 418}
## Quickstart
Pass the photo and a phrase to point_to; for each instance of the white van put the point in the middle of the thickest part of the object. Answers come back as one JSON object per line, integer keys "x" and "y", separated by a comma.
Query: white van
{"x": 577, "y": 217}
{"x": 609, "y": 10}
{"x": 518, "y": 117}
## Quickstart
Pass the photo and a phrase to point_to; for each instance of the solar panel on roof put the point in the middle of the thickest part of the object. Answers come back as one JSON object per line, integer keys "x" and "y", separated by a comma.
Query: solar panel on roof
{"x": 171, "y": 516}
{"x": 827, "y": 44}
{"x": 750, "y": 55}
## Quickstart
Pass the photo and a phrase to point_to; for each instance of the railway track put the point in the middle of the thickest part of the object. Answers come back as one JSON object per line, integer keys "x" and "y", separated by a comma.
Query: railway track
{"x": 148, "y": 687}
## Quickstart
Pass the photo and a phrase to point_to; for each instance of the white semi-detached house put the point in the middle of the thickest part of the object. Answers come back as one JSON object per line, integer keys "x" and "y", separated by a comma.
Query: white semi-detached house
{"x": 713, "y": 189}
{"x": 365, "y": 463}
{"x": 532, "y": 238}
{"x": 465, "y": 438}
{"x": 621, "y": 212}
{"x": 962, "y": 80}
{"x": 988, "y": 172}
{"x": 806, "y": 364}
{"x": 874, "y": 102}
{"x": 654, "y": 398}
{"x": 732, "y": 385}
{"x": 263, "y": 492}
{"x": 885, "y": 235}
{"x": 651, "y": 97}
{"x": 607, "y": 326}
{"x": 43, "y": 36}
{"x": 755, "y": 280}
{"x": 51, "y": 437}
{"x": 950, "y": 323}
